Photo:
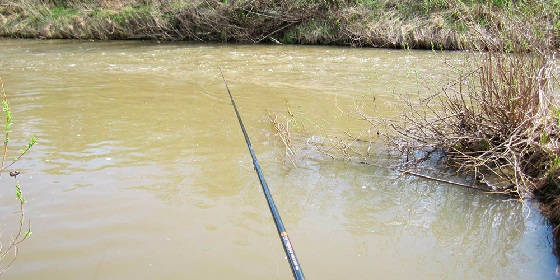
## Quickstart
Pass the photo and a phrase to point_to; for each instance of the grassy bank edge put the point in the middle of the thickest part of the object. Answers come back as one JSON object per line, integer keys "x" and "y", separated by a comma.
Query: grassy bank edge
{"x": 427, "y": 24}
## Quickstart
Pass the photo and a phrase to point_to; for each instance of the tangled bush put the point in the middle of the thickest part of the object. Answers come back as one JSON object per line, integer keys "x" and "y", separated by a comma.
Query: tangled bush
{"x": 499, "y": 119}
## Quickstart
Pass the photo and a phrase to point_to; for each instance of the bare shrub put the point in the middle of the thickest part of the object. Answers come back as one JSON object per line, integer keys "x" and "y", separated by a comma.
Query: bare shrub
{"x": 499, "y": 118}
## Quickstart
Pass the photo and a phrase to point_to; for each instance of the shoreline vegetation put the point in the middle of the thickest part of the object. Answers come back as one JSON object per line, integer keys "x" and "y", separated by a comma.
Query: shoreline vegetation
{"x": 497, "y": 123}
{"x": 9, "y": 246}
{"x": 418, "y": 24}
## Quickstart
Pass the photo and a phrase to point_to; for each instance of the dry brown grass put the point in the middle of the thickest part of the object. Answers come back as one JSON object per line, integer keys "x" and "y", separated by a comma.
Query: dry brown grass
{"x": 430, "y": 24}
{"x": 206, "y": 20}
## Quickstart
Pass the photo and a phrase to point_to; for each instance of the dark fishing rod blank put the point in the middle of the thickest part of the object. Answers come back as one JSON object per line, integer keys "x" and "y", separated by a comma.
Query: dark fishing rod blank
{"x": 288, "y": 248}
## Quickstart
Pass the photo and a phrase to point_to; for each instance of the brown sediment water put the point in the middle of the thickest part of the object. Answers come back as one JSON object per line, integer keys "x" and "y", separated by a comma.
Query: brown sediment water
{"x": 141, "y": 171}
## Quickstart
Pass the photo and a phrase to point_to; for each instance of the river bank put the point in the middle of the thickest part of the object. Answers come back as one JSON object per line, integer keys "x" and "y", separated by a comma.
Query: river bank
{"x": 429, "y": 24}
{"x": 500, "y": 25}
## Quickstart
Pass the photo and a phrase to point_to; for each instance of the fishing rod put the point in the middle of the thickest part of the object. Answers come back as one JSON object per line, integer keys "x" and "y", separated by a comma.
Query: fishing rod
{"x": 288, "y": 248}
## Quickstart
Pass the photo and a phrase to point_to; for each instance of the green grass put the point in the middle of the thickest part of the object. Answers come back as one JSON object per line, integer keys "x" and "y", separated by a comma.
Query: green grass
{"x": 60, "y": 12}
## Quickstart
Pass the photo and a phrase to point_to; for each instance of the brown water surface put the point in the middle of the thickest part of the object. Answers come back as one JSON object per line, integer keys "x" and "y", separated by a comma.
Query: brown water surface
{"x": 141, "y": 171}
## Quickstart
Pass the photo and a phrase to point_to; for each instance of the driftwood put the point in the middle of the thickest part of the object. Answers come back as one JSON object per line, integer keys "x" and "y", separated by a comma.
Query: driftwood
{"x": 481, "y": 186}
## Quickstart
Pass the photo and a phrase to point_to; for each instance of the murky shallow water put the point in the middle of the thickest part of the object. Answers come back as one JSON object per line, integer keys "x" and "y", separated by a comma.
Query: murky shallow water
{"x": 141, "y": 171}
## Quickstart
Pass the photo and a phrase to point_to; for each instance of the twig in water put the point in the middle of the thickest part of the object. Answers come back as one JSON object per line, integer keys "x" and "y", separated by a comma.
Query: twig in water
{"x": 486, "y": 190}
{"x": 284, "y": 133}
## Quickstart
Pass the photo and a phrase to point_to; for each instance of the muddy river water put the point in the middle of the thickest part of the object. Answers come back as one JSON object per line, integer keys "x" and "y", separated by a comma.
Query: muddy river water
{"x": 141, "y": 171}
